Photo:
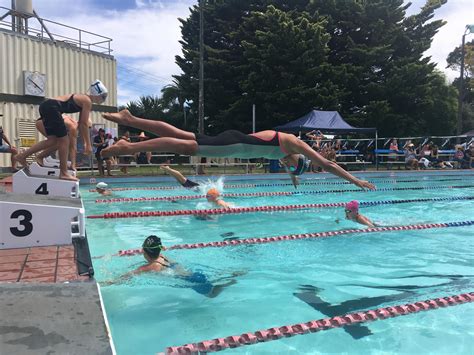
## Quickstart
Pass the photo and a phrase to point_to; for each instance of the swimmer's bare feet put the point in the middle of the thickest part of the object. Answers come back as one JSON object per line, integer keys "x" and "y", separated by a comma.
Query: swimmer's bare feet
{"x": 68, "y": 177}
{"x": 118, "y": 148}
{"x": 39, "y": 160}
{"x": 19, "y": 159}
{"x": 123, "y": 117}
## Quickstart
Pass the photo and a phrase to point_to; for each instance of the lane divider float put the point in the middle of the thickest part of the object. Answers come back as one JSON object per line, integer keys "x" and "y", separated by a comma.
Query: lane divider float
{"x": 235, "y": 186}
{"x": 238, "y": 210}
{"x": 274, "y": 193}
{"x": 264, "y": 240}
{"x": 313, "y": 326}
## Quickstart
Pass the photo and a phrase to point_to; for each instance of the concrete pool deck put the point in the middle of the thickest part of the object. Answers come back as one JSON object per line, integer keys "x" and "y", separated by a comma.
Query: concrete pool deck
{"x": 45, "y": 318}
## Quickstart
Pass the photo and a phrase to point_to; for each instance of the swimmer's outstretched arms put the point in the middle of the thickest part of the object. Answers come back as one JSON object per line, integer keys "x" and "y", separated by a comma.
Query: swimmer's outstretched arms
{"x": 229, "y": 144}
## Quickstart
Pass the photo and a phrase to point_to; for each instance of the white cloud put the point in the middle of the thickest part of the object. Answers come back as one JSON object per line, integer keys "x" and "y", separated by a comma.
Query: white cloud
{"x": 457, "y": 14}
{"x": 146, "y": 37}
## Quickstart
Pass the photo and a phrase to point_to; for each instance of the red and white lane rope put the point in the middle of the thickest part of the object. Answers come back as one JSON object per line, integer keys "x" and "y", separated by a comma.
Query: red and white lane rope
{"x": 313, "y": 326}
{"x": 304, "y": 183}
{"x": 237, "y": 210}
{"x": 263, "y": 240}
{"x": 276, "y": 193}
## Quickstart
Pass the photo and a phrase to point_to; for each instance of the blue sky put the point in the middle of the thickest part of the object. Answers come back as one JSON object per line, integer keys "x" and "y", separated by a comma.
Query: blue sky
{"x": 145, "y": 35}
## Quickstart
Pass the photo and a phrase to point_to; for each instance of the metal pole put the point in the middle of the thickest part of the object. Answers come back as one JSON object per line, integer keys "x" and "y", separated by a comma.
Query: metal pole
{"x": 201, "y": 67}
{"x": 253, "y": 118}
{"x": 461, "y": 92}
{"x": 375, "y": 151}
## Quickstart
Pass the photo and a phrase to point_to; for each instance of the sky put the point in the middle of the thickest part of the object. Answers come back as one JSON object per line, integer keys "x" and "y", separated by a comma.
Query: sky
{"x": 145, "y": 35}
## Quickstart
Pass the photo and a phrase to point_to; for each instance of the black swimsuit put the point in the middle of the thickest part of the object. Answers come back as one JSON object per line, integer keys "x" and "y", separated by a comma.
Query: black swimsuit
{"x": 51, "y": 113}
{"x": 235, "y": 144}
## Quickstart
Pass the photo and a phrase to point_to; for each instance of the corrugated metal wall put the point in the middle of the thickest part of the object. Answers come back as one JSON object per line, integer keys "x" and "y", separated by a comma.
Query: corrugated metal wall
{"x": 67, "y": 69}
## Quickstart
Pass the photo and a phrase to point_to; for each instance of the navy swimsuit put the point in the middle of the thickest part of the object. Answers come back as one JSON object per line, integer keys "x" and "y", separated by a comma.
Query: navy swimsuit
{"x": 51, "y": 113}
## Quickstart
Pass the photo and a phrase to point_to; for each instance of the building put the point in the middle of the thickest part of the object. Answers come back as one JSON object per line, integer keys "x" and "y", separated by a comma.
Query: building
{"x": 41, "y": 59}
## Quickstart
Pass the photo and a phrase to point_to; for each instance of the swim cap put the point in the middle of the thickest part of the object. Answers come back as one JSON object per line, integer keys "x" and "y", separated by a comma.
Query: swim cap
{"x": 152, "y": 246}
{"x": 303, "y": 164}
{"x": 213, "y": 193}
{"x": 101, "y": 185}
{"x": 353, "y": 206}
{"x": 97, "y": 88}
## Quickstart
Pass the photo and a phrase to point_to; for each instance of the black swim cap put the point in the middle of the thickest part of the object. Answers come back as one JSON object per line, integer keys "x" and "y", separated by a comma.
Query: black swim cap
{"x": 152, "y": 246}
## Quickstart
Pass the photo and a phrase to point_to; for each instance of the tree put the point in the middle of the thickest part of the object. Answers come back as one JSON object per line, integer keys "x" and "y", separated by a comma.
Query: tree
{"x": 454, "y": 62}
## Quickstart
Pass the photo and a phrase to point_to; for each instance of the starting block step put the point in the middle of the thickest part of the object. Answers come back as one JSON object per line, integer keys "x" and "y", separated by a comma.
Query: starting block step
{"x": 36, "y": 169}
{"x": 24, "y": 182}
{"x": 27, "y": 221}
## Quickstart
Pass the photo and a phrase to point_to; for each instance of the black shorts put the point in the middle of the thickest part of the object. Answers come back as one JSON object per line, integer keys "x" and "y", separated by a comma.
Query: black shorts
{"x": 189, "y": 184}
{"x": 52, "y": 118}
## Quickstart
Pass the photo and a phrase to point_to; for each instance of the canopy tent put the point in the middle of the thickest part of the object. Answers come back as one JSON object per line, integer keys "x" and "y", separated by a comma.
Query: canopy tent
{"x": 325, "y": 121}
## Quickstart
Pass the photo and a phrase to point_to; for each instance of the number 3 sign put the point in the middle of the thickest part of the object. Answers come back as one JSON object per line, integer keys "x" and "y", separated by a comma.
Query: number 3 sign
{"x": 36, "y": 223}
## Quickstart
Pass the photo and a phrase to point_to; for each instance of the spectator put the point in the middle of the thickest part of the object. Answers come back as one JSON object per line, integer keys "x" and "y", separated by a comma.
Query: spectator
{"x": 435, "y": 160}
{"x": 126, "y": 160}
{"x": 143, "y": 157}
{"x": 469, "y": 157}
{"x": 316, "y": 137}
{"x": 392, "y": 156}
{"x": 7, "y": 148}
{"x": 459, "y": 156}
{"x": 411, "y": 162}
{"x": 100, "y": 142}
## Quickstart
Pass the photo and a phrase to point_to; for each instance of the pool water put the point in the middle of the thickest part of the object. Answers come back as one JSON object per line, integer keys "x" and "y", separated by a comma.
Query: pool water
{"x": 282, "y": 283}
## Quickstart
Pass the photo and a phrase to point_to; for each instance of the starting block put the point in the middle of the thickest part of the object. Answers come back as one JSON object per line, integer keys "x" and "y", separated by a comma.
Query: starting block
{"x": 36, "y": 169}
{"x": 24, "y": 182}
{"x": 27, "y": 221}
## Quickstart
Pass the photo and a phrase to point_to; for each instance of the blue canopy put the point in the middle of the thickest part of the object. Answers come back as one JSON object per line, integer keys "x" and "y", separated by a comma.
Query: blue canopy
{"x": 325, "y": 121}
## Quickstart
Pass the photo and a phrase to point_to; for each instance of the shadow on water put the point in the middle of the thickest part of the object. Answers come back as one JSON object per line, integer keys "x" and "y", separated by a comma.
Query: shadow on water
{"x": 309, "y": 295}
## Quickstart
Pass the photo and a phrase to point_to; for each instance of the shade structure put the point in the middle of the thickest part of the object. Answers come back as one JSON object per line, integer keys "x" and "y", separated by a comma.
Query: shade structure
{"x": 325, "y": 121}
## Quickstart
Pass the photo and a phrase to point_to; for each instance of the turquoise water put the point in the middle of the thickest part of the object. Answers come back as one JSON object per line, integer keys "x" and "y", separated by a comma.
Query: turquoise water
{"x": 294, "y": 281}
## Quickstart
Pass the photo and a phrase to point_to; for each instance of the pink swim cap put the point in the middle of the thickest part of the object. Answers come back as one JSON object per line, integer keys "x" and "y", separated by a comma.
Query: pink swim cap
{"x": 353, "y": 206}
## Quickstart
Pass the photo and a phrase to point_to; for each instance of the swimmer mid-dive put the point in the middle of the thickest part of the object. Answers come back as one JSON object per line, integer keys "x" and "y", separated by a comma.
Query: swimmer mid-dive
{"x": 185, "y": 182}
{"x": 157, "y": 262}
{"x": 229, "y": 144}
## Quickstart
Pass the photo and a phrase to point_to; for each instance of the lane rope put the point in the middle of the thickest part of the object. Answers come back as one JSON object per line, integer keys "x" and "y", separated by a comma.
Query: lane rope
{"x": 313, "y": 326}
{"x": 235, "y": 186}
{"x": 237, "y": 210}
{"x": 263, "y": 240}
{"x": 274, "y": 193}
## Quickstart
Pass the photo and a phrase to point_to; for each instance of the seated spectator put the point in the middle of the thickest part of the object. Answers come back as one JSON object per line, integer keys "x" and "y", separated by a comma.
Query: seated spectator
{"x": 459, "y": 156}
{"x": 469, "y": 157}
{"x": 426, "y": 150}
{"x": 435, "y": 160}
{"x": 411, "y": 162}
{"x": 143, "y": 157}
{"x": 315, "y": 137}
{"x": 393, "y": 150}
{"x": 7, "y": 148}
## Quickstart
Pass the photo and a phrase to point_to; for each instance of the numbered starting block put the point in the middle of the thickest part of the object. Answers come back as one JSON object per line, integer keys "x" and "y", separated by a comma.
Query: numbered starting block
{"x": 36, "y": 169}
{"x": 27, "y": 221}
{"x": 24, "y": 182}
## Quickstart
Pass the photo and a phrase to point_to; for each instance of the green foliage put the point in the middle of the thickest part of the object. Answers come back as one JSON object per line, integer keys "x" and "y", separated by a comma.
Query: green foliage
{"x": 363, "y": 58}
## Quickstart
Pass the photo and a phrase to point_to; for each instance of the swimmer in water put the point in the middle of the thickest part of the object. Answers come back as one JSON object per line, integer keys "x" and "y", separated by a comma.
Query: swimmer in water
{"x": 213, "y": 196}
{"x": 352, "y": 214}
{"x": 157, "y": 262}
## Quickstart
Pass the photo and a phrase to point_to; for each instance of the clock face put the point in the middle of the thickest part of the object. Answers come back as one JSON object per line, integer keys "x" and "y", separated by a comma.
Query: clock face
{"x": 35, "y": 84}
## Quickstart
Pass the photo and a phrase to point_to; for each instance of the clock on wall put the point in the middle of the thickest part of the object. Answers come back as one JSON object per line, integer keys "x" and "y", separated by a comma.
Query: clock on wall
{"x": 34, "y": 83}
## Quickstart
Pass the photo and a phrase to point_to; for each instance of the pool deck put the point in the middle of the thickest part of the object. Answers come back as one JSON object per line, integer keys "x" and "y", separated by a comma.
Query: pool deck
{"x": 49, "y": 302}
{"x": 49, "y": 318}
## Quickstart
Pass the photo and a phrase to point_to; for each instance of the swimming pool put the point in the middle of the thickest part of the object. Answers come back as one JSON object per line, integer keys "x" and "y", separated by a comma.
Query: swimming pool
{"x": 295, "y": 281}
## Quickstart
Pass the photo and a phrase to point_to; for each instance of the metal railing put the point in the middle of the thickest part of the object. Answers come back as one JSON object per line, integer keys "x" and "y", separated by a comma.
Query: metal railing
{"x": 59, "y": 33}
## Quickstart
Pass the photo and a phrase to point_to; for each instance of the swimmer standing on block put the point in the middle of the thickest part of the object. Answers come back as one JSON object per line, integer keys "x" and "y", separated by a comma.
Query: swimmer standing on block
{"x": 232, "y": 144}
